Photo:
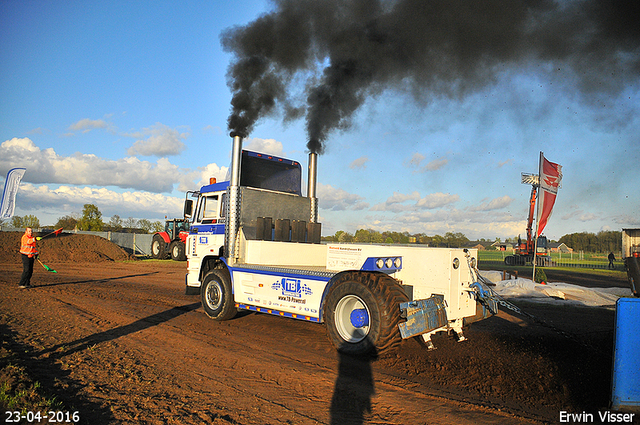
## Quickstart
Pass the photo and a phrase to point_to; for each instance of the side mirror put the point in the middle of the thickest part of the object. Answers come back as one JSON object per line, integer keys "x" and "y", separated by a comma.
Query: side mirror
{"x": 188, "y": 208}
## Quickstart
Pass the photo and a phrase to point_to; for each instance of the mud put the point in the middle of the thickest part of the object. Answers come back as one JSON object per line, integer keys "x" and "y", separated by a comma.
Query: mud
{"x": 120, "y": 343}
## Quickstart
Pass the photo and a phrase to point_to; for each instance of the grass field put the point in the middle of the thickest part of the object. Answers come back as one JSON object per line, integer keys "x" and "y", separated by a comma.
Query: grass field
{"x": 582, "y": 260}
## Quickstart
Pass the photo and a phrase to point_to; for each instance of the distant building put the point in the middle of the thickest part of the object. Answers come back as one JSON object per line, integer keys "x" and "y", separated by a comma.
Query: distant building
{"x": 503, "y": 246}
{"x": 480, "y": 246}
{"x": 559, "y": 247}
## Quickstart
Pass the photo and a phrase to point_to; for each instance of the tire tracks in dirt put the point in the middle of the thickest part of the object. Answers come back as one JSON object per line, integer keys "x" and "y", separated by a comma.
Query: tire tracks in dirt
{"x": 131, "y": 343}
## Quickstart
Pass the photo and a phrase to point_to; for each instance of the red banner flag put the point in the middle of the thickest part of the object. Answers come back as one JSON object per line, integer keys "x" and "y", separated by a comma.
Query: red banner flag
{"x": 550, "y": 178}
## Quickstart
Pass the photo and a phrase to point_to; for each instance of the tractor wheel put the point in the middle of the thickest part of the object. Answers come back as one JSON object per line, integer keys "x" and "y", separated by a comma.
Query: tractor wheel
{"x": 158, "y": 248}
{"x": 362, "y": 313}
{"x": 177, "y": 251}
{"x": 510, "y": 260}
{"x": 217, "y": 296}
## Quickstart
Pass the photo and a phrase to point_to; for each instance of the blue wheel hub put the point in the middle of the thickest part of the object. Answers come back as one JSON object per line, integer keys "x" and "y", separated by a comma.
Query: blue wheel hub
{"x": 359, "y": 317}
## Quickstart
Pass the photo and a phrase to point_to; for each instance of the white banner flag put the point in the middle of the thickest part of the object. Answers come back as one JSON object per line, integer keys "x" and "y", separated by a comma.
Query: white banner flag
{"x": 8, "y": 204}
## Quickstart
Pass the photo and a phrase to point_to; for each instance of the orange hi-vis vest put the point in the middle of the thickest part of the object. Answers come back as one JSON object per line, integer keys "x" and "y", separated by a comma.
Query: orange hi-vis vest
{"x": 28, "y": 246}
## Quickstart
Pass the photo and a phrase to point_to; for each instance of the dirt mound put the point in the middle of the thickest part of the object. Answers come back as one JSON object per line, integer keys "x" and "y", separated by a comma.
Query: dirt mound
{"x": 66, "y": 247}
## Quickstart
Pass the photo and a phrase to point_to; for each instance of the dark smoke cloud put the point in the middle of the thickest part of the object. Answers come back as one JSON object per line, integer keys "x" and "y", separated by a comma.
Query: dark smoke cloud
{"x": 431, "y": 47}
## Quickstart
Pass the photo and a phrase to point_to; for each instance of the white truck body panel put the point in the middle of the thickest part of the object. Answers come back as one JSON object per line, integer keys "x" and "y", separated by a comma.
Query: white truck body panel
{"x": 279, "y": 292}
{"x": 283, "y": 254}
{"x": 292, "y": 287}
{"x": 425, "y": 271}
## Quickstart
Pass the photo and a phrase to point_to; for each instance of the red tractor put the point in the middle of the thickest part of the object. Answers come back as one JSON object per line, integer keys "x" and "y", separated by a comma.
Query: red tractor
{"x": 171, "y": 242}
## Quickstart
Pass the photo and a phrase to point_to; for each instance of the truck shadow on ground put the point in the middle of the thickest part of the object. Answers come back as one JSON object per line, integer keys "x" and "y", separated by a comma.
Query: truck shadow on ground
{"x": 55, "y": 383}
{"x": 351, "y": 401}
{"x": 67, "y": 348}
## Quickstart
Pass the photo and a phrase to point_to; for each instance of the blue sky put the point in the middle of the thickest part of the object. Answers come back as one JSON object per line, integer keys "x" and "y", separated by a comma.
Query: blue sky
{"x": 125, "y": 105}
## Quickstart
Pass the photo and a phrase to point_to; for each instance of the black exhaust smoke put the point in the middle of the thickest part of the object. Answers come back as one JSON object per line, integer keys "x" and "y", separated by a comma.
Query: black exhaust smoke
{"x": 345, "y": 51}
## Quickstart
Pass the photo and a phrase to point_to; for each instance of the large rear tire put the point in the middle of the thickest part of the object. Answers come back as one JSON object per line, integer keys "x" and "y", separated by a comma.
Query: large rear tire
{"x": 362, "y": 313}
{"x": 158, "y": 248}
{"x": 217, "y": 296}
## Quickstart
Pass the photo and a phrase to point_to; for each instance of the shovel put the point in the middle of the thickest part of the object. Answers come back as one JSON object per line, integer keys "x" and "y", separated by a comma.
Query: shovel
{"x": 47, "y": 268}
{"x": 55, "y": 232}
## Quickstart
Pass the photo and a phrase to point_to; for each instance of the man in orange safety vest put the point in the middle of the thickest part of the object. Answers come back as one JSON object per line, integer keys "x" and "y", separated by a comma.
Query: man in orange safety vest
{"x": 29, "y": 254}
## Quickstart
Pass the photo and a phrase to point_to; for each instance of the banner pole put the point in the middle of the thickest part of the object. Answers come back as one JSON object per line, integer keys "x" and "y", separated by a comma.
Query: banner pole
{"x": 535, "y": 234}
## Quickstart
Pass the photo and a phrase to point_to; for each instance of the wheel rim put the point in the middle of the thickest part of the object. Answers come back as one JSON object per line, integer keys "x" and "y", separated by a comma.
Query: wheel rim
{"x": 213, "y": 295}
{"x": 175, "y": 251}
{"x": 352, "y": 319}
{"x": 156, "y": 248}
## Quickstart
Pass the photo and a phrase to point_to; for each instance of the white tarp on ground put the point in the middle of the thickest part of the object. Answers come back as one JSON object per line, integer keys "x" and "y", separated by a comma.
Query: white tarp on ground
{"x": 555, "y": 292}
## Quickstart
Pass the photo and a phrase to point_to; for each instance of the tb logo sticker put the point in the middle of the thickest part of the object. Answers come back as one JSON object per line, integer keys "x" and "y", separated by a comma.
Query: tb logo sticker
{"x": 291, "y": 288}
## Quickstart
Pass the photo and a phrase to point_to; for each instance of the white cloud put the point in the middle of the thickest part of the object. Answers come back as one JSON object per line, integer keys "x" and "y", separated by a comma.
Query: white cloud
{"x": 87, "y": 125}
{"x": 45, "y": 166}
{"x": 436, "y": 164}
{"x": 330, "y": 198}
{"x": 396, "y": 202}
{"x": 210, "y": 171}
{"x": 627, "y": 220}
{"x": 437, "y": 200}
{"x": 211, "y": 129}
{"x": 161, "y": 141}
{"x": 268, "y": 146}
{"x": 587, "y": 217}
{"x": 494, "y": 204}
{"x": 417, "y": 159}
{"x": 359, "y": 163}
{"x": 580, "y": 216}
{"x": 66, "y": 200}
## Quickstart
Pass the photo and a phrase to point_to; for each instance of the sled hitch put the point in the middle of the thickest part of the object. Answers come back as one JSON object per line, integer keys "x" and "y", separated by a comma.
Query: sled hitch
{"x": 423, "y": 317}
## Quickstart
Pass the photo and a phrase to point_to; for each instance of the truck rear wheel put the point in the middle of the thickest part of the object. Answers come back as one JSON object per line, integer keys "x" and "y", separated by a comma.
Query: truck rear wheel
{"x": 217, "y": 296}
{"x": 176, "y": 249}
{"x": 158, "y": 248}
{"x": 362, "y": 312}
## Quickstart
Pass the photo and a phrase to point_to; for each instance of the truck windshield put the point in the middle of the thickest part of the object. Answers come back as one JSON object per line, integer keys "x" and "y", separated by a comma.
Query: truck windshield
{"x": 271, "y": 173}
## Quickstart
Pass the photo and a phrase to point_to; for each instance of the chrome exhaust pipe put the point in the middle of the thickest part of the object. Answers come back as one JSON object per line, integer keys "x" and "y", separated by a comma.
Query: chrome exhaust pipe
{"x": 233, "y": 202}
{"x": 311, "y": 190}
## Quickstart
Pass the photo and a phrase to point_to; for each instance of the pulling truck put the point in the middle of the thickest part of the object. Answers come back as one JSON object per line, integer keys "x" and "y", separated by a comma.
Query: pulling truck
{"x": 254, "y": 244}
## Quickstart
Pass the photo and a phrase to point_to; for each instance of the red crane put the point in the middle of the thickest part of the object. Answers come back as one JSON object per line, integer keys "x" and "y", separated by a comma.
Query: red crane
{"x": 524, "y": 250}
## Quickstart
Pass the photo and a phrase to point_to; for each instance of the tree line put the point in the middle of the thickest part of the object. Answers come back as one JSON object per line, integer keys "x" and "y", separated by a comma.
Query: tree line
{"x": 91, "y": 220}
{"x": 450, "y": 239}
{"x": 604, "y": 241}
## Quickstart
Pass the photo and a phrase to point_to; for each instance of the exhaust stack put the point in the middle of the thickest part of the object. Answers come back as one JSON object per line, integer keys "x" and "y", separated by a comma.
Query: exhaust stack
{"x": 311, "y": 190}
{"x": 233, "y": 202}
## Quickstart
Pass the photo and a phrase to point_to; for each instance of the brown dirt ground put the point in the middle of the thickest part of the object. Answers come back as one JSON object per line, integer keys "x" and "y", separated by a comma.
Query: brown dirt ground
{"x": 120, "y": 343}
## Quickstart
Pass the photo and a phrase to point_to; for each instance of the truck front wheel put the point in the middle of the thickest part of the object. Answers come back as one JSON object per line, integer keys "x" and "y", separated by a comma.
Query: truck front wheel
{"x": 362, "y": 312}
{"x": 217, "y": 296}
